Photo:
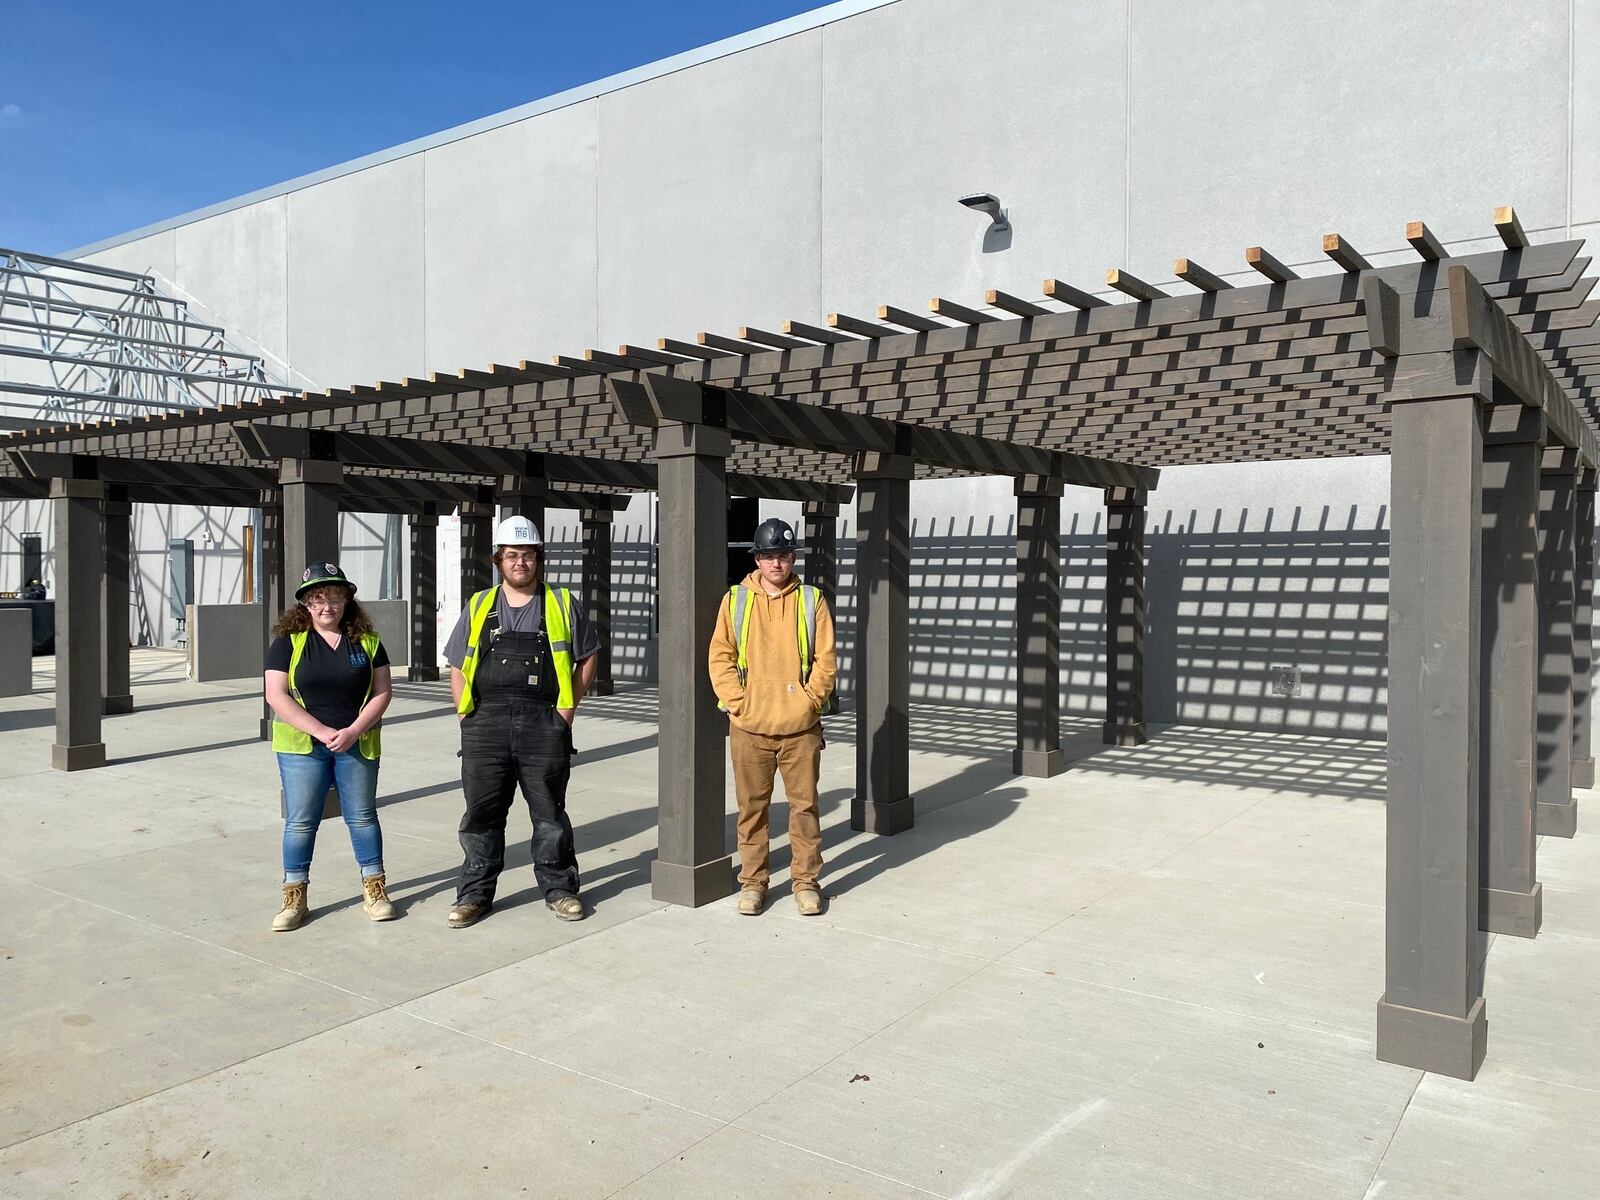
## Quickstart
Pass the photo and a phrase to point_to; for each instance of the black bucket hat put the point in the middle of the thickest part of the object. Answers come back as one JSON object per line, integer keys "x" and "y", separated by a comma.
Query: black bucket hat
{"x": 318, "y": 573}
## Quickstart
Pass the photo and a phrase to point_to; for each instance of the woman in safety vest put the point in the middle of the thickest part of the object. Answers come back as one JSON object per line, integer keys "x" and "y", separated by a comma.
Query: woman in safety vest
{"x": 327, "y": 681}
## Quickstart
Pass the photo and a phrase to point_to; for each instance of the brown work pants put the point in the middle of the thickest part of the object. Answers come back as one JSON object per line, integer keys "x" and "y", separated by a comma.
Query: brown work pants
{"x": 756, "y": 757}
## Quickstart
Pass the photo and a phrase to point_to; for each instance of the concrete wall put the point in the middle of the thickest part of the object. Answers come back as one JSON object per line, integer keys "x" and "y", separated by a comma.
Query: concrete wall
{"x": 224, "y": 641}
{"x": 818, "y": 172}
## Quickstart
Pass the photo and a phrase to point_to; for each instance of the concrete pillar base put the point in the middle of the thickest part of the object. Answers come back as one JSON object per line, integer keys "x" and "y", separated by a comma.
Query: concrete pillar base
{"x": 882, "y": 816}
{"x": 1583, "y": 773}
{"x": 1430, "y": 1041}
{"x": 78, "y": 758}
{"x": 1038, "y": 764}
{"x": 1114, "y": 734}
{"x": 421, "y": 674}
{"x": 679, "y": 883}
{"x": 1518, "y": 914}
{"x": 1557, "y": 820}
{"x": 117, "y": 705}
{"x": 602, "y": 687}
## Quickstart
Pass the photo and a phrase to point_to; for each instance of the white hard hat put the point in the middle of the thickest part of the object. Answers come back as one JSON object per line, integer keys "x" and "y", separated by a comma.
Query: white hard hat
{"x": 516, "y": 531}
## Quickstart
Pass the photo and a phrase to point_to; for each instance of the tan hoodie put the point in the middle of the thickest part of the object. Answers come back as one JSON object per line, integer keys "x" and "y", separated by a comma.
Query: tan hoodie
{"x": 773, "y": 700}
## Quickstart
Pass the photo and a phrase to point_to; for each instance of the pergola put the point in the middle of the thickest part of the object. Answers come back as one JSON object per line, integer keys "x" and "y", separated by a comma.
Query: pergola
{"x": 1476, "y": 373}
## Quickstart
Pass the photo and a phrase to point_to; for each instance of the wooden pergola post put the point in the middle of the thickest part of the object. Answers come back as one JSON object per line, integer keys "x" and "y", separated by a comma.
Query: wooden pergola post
{"x": 270, "y": 586}
{"x": 1038, "y": 749}
{"x": 1583, "y": 635}
{"x": 1558, "y": 501}
{"x": 1125, "y": 513}
{"x": 596, "y": 572}
{"x": 477, "y": 533}
{"x": 116, "y": 688}
{"x": 424, "y": 656}
{"x": 79, "y": 558}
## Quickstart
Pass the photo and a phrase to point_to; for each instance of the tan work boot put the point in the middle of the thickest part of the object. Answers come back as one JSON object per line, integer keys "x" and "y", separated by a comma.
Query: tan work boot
{"x": 568, "y": 908}
{"x": 376, "y": 903}
{"x": 751, "y": 901}
{"x": 294, "y": 908}
{"x": 467, "y": 913}
{"x": 808, "y": 901}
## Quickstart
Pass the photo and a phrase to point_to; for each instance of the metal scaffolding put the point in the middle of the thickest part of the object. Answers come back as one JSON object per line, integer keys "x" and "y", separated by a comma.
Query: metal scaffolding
{"x": 95, "y": 342}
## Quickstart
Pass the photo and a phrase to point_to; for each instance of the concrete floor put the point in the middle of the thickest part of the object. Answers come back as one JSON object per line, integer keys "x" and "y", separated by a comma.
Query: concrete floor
{"x": 1152, "y": 976}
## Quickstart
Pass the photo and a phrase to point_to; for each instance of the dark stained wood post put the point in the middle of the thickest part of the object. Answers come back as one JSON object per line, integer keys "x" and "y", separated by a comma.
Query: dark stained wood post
{"x": 477, "y": 533}
{"x": 78, "y": 561}
{"x": 1125, "y": 513}
{"x": 522, "y": 496}
{"x": 597, "y": 590}
{"x": 1558, "y": 496}
{"x": 116, "y": 686}
{"x": 310, "y": 515}
{"x": 270, "y": 587}
{"x": 1511, "y": 897}
{"x": 1038, "y": 748}
{"x": 1432, "y": 1013}
{"x": 693, "y": 865}
{"x": 819, "y": 537}
{"x": 1583, "y": 635}
{"x": 883, "y": 802}
{"x": 424, "y": 656}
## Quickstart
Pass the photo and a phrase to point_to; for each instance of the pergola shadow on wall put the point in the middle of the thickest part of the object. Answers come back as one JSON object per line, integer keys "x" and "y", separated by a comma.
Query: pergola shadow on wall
{"x": 1475, "y": 373}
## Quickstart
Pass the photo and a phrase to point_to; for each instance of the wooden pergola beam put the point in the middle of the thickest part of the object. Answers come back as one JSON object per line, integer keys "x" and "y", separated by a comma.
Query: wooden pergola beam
{"x": 1131, "y": 285}
{"x": 1509, "y": 228}
{"x": 1055, "y": 289}
{"x": 1195, "y": 275}
{"x": 1266, "y": 264}
{"x": 1343, "y": 253}
{"x": 1424, "y": 243}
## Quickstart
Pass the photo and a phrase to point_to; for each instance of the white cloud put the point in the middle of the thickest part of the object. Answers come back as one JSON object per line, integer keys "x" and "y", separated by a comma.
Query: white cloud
{"x": 10, "y": 114}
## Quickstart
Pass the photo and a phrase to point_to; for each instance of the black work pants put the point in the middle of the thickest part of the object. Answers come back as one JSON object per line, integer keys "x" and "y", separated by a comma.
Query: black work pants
{"x": 506, "y": 743}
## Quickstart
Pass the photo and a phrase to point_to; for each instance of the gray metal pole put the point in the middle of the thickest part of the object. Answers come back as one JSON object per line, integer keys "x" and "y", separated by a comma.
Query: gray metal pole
{"x": 78, "y": 560}
{"x": 883, "y": 802}
{"x": 424, "y": 666}
{"x": 269, "y": 585}
{"x": 1125, "y": 513}
{"x": 1038, "y": 750}
{"x": 1431, "y": 1015}
{"x": 116, "y": 688}
{"x": 1558, "y": 496}
{"x": 1512, "y": 897}
{"x": 597, "y": 590}
{"x": 1583, "y": 636}
{"x": 693, "y": 866}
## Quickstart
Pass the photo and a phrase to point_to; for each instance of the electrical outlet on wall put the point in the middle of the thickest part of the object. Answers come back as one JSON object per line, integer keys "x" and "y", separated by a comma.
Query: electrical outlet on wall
{"x": 1285, "y": 680}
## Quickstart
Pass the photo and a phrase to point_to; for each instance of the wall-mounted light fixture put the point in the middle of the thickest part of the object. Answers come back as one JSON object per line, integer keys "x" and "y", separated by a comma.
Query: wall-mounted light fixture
{"x": 989, "y": 204}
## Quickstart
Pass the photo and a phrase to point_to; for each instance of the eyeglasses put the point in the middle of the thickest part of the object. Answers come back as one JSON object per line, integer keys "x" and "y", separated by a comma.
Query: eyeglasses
{"x": 323, "y": 602}
{"x": 518, "y": 558}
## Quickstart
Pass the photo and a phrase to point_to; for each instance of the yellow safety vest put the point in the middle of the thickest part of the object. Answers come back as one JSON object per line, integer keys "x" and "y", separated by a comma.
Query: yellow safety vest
{"x": 557, "y": 629}
{"x": 289, "y": 740}
{"x": 740, "y": 610}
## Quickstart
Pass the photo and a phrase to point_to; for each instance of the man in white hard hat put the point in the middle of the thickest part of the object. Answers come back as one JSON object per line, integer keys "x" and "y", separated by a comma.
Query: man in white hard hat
{"x": 521, "y": 658}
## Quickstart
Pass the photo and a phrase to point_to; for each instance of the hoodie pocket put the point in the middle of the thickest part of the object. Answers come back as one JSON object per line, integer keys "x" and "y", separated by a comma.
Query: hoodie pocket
{"x": 777, "y": 706}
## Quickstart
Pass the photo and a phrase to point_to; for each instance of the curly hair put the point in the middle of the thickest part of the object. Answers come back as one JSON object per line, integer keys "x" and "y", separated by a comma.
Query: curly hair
{"x": 354, "y": 623}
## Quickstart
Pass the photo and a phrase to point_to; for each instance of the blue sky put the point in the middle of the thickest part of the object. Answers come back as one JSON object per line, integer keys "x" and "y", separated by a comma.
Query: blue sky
{"x": 117, "y": 114}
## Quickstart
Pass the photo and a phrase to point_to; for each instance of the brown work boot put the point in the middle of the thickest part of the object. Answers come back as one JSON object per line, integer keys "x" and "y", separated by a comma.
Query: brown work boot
{"x": 467, "y": 912}
{"x": 376, "y": 903}
{"x": 294, "y": 908}
{"x": 808, "y": 901}
{"x": 568, "y": 908}
{"x": 751, "y": 901}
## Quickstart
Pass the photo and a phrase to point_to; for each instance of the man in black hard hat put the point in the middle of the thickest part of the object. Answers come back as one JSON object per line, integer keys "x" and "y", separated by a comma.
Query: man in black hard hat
{"x": 772, "y": 665}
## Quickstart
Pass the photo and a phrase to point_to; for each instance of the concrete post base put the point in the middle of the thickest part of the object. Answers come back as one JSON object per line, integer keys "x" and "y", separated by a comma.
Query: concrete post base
{"x": 1516, "y": 913}
{"x": 1113, "y": 734}
{"x": 602, "y": 687}
{"x": 1430, "y": 1041}
{"x": 420, "y": 674}
{"x": 678, "y": 883}
{"x": 78, "y": 758}
{"x": 1038, "y": 764}
{"x": 1583, "y": 772}
{"x": 882, "y": 816}
{"x": 117, "y": 705}
{"x": 1557, "y": 820}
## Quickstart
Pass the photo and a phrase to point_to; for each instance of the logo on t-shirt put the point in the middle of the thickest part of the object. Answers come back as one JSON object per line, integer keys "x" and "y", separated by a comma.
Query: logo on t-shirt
{"x": 358, "y": 657}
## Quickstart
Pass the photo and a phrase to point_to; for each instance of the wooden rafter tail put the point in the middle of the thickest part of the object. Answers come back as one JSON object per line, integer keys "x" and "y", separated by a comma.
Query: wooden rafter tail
{"x": 959, "y": 312}
{"x": 907, "y": 320}
{"x": 1266, "y": 264}
{"x": 548, "y": 371}
{"x": 717, "y": 341}
{"x": 604, "y": 358}
{"x": 1055, "y": 289}
{"x": 655, "y": 357}
{"x": 1132, "y": 285}
{"x": 1509, "y": 228}
{"x": 577, "y": 366}
{"x": 869, "y": 329}
{"x": 1424, "y": 243}
{"x": 689, "y": 349}
{"x": 1195, "y": 275}
{"x": 815, "y": 333}
{"x": 1006, "y": 302}
{"x": 766, "y": 337}
{"x": 1343, "y": 253}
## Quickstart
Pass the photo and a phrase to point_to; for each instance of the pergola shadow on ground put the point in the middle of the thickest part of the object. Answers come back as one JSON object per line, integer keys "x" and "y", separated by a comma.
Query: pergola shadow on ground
{"x": 1475, "y": 373}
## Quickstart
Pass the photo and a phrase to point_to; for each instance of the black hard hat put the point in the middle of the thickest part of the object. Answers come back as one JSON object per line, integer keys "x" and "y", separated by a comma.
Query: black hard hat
{"x": 773, "y": 534}
{"x": 318, "y": 573}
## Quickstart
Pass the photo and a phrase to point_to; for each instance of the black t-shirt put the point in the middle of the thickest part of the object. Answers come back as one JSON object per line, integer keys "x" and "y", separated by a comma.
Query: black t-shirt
{"x": 332, "y": 680}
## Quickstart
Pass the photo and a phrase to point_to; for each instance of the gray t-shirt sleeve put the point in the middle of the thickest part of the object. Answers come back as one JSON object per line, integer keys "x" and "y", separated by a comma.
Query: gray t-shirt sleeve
{"x": 455, "y": 647}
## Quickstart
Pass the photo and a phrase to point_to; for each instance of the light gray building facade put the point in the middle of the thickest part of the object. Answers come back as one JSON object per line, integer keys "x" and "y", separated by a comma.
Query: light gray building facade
{"x": 814, "y": 167}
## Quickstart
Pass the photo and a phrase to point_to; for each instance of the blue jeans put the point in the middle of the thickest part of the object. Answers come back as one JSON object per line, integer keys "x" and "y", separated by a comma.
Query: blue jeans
{"x": 306, "y": 780}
